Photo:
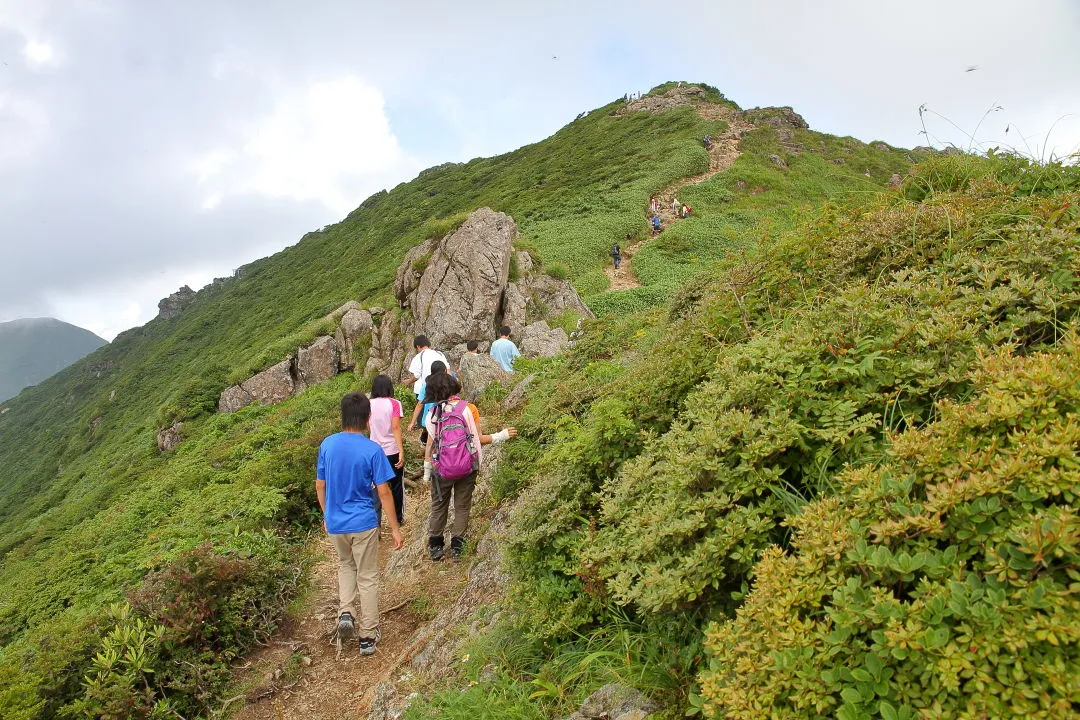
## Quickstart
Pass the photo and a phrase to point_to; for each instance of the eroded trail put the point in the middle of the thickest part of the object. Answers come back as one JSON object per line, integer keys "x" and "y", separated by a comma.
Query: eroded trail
{"x": 300, "y": 676}
{"x": 722, "y": 155}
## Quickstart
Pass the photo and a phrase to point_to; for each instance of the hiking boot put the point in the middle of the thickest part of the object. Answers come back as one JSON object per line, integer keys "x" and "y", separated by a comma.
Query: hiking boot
{"x": 436, "y": 548}
{"x": 345, "y": 626}
{"x": 457, "y": 548}
{"x": 367, "y": 644}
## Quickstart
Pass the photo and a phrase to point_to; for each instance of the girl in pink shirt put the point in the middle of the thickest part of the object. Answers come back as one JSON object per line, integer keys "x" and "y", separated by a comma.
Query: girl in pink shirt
{"x": 385, "y": 425}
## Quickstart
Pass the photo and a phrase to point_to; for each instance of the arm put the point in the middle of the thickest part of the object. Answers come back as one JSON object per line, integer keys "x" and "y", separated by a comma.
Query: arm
{"x": 395, "y": 427}
{"x": 320, "y": 491}
{"x": 504, "y": 434}
{"x": 387, "y": 501}
{"x": 415, "y": 415}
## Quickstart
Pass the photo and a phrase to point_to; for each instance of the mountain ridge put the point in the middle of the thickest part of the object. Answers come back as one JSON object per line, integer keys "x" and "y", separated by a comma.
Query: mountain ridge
{"x": 34, "y": 349}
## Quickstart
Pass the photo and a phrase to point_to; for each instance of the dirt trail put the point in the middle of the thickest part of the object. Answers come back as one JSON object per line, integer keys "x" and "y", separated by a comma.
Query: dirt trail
{"x": 300, "y": 674}
{"x": 722, "y": 155}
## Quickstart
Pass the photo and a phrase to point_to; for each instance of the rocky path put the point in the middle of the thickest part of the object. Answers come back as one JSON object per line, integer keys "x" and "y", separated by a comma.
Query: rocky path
{"x": 300, "y": 674}
{"x": 722, "y": 155}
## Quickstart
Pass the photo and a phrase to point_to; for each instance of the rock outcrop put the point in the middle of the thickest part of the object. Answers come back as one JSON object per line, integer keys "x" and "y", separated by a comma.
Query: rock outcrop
{"x": 477, "y": 371}
{"x": 174, "y": 305}
{"x": 355, "y": 324}
{"x": 233, "y": 398}
{"x": 168, "y": 438}
{"x": 274, "y": 384}
{"x": 537, "y": 296}
{"x": 539, "y": 340}
{"x": 317, "y": 362}
{"x": 460, "y": 292}
{"x": 616, "y": 702}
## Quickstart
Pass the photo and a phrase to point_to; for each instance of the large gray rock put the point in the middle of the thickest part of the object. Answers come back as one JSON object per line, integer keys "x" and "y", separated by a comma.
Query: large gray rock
{"x": 460, "y": 292}
{"x": 476, "y": 372}
{"x": 168, "y": 438}
{"x": 274, "y": 384}
{"x": 337, "y": 314}
{"x": 317, "y": 362}
{"x": 539, "y": 340}
{"x": 412, "y": 268}
{"x": 539, "y": 296}
{"x": 233, "y": 398}
{"x": 355, "y": 324}
{"x": 173, "y": 305}
{"x": 616, "y": 702}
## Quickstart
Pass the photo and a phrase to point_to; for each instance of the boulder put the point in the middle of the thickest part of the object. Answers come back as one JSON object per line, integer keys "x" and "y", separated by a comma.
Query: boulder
{"x": 354, "y": 325}
{"x": 173, "y": 305}
{"x": 274, "y": 384}
{"x": 233, "y": 398}
{"x": 515, "y": 306}
{"x": 337, "y": 314}
{"x": 895, "y": 181}
{"x": 524, "y": 262}
{"x": 615, "y": 701}
{"x": 538, "y": 296}
{"x": 168, "y": 438}
{"x": 461, "y": 289}
{"x": 317, "y": 362}
{"x": 539, "y": 340}
{"x": 778, "y": 161}
{"x": 412, "y": 268}
{"x": 477, "y": 371}
{"x": 776, "y": 117}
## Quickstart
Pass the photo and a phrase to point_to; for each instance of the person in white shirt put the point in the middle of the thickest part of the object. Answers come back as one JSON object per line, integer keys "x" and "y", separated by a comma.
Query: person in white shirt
{"x": 420, "y": 367}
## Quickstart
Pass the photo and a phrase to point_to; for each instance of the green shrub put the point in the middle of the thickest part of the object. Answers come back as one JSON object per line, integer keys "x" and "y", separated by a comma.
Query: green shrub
{"x": 557, "y": 270}
{"x": 939, "y": 583}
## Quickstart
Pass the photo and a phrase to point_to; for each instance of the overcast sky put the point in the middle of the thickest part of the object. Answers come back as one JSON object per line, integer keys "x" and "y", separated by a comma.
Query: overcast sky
{"x": 146, "y": 144}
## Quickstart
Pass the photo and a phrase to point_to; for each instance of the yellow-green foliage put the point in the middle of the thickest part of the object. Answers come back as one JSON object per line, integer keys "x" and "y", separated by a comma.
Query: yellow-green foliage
{"x": 939, "y": 583}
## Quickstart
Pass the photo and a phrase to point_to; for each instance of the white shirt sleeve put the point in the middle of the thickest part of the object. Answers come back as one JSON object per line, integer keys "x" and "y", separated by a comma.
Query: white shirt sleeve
{"x": 416, "y": 366}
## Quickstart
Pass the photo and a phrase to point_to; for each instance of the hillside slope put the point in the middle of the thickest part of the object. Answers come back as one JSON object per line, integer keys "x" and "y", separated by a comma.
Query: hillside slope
{"x": 32, "y": 349}
{"x": 89, "y": 509}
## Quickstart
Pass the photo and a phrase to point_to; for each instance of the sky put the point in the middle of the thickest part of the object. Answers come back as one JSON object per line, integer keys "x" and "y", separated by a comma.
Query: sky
{"x": 146, "y": 144}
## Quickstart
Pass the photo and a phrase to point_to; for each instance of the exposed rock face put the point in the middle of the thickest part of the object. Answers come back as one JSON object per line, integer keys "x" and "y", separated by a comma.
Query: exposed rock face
{"x": 316, "y": 363}
{"x": 168, "y": 438}
{"x": 539, "y": 340}
{"x": 616, "y": 702}
{"x": 274, "y": 384}
{"x": 674, "y": 97}
{"x": 340, "y": 312}
{"x": 776, "y": 117}
{"x": 173, "y": 305}
{"x": 895, "y": 181}
{"x": 539, "y": 296}
{"x": 355, "y": 324}
{"x": 412, "y": 268}
{"x": 233, "y": 398}
{"x": 460, "y": 292}
{"x": 476, "y": 372}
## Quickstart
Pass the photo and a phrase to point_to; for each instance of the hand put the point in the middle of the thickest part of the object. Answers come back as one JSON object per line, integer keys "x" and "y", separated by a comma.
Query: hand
{"x": 325, "y": 529}
{"x": 511, "y": 431}
{"x": 401, "y": 461}
{"x": 411, "y": 426}
{"x": 399, "y": 542}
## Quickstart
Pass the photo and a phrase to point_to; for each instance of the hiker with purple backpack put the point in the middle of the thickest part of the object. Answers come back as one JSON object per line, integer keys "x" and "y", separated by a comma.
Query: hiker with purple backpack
{"x": 453, "y": 449}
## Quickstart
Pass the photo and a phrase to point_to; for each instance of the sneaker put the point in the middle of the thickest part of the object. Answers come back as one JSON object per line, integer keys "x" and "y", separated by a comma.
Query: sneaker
{"x": 367, "y": 644}
{"x": 457, "y": 548}
{"x": 436, "y": 548}
{"x": 345, "y": 626}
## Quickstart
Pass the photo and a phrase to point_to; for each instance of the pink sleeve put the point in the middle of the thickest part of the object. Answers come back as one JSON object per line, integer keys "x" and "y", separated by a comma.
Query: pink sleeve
{"x": 395, "y": 411}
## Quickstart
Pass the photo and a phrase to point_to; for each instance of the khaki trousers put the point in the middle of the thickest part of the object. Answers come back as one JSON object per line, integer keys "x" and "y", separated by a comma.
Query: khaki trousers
{"x": 441, "y": 490}
{"x": 358, "y": 578}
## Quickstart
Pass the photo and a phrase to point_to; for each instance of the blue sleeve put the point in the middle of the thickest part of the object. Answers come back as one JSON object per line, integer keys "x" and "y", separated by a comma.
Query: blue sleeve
{"x": 423, "y": 390}
{"x": 320, "y": 468}
{"x": 381, "y": 470}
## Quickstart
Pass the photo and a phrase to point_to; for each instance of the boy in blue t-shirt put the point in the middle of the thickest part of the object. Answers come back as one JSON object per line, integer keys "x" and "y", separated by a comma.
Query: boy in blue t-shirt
{"x": 350, "y": 466}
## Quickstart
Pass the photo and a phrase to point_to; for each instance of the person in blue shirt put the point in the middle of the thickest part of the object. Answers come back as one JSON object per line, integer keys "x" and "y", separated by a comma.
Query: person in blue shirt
{"x": 504, "y": 350}
{"x": 351, "y": 469}
{"x": 656, "y": 224}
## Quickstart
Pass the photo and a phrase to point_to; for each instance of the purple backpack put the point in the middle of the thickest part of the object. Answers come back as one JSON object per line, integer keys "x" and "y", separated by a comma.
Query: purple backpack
{"x": 453, "y": 455}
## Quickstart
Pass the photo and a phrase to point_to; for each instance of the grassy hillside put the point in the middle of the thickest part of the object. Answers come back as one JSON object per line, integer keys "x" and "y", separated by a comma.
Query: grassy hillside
{"x": 834, "y": 478}
{"x": 90, "y": 510}
{"x": 32, "y": 349}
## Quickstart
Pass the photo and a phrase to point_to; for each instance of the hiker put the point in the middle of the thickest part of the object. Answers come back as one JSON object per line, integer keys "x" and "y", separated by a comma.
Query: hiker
{"x": 708, "y": 142}
{"x": 504, "y": 350}
{"x": 616, "y": 254}
{"x": 417, "y": 419}
{"x": 349, "y": 467}
{"x": 385, "y": 429}
{"x": 686, "y": 211}
{"x": 675, "y": 206}
{"x": 454, "y": 451}
{"x": 654, "y": 206}
{"x": 471, "y": 346}
{"x": 420, "y": 367}
{"x": 656, "y": 224}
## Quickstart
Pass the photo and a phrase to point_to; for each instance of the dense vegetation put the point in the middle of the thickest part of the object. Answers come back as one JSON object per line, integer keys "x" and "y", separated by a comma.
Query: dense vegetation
{"x": 32, "y": 349}
{"x": 835, "y": 477}
{"x": 821, "y": 464}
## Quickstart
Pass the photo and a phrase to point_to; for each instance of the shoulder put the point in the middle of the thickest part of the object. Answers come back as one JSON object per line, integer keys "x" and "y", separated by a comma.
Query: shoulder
{"x": 395, "y": 406}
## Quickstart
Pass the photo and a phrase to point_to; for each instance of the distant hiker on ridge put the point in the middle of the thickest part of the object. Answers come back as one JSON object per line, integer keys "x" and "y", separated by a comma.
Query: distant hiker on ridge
{"x": 351, "y": 468}
{"x": 504, "y": 350}
{"x": 616, "y": 254}
{"x": 656, "y": 224}
{"x": 675, "y": 205}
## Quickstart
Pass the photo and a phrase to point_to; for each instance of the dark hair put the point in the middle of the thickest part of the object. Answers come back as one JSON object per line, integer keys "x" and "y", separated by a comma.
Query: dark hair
{"x": 355, "y": 411}
{"x": 504, "y": 331}
{"x": 472, "y": 345}
{"x": 437, "y": 368}
{"x": 382, "y": 387}
{"x": 421, "y": 341}
{"x": 440, "y": 387}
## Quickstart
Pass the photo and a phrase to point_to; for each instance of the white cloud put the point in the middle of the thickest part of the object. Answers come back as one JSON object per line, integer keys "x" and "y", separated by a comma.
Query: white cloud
{"x": 39, "y": 54}
{"x": 330, "y": 142}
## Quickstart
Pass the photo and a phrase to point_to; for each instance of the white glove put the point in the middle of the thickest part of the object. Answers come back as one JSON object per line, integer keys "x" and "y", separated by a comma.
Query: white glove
{"x": 500, "y": 436}
{"x": 427, "y": 471}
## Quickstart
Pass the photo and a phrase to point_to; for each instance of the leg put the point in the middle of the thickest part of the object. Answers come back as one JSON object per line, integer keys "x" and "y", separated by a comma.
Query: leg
{"x": 346, "y": 574}
{"x": 397, "y": 488}
{"x": 440, "y": 504}
{"x": 463, "y": 493}
{"x": 365, "y": 551}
